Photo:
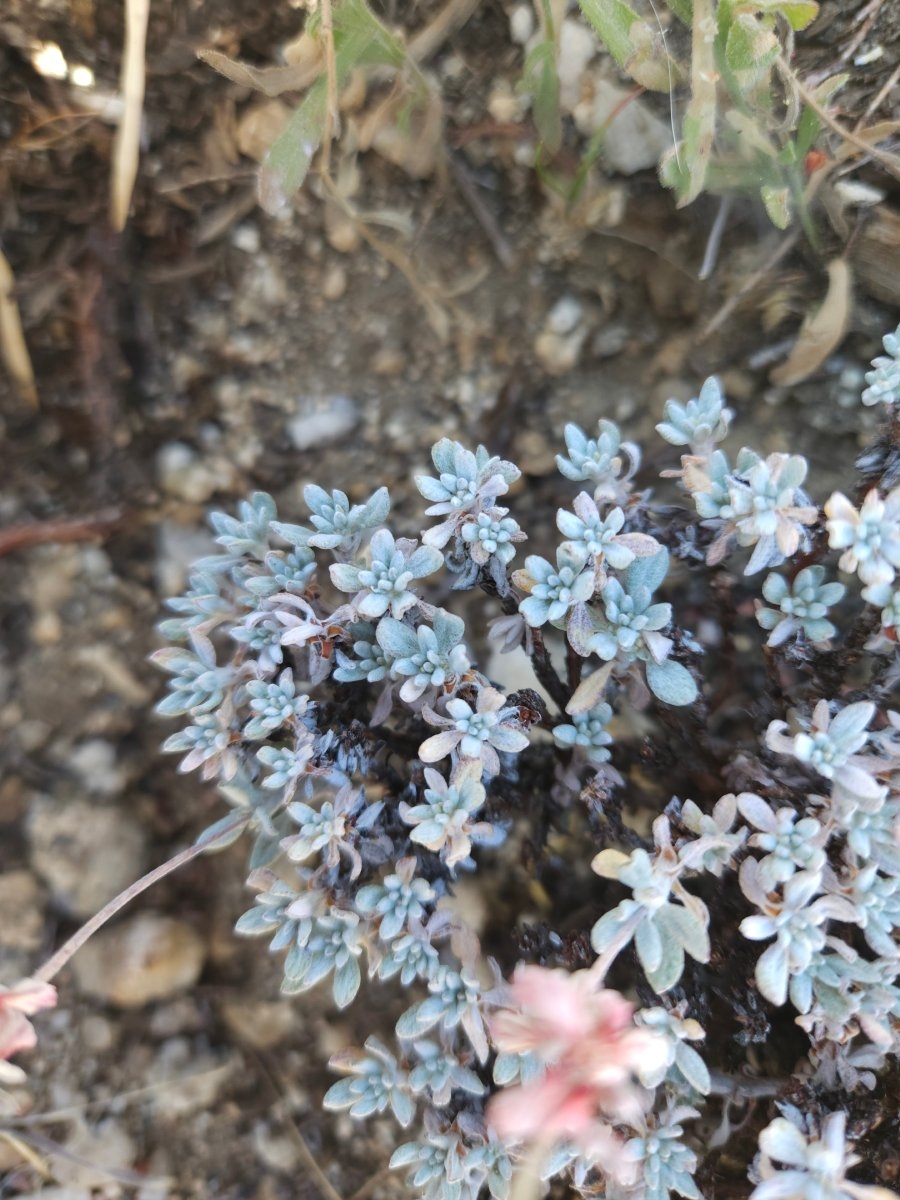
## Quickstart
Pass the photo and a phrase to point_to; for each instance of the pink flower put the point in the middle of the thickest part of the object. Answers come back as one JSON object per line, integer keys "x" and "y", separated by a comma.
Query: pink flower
{"x": 16, "y": 1032}
{"x": 592, "y": 1050}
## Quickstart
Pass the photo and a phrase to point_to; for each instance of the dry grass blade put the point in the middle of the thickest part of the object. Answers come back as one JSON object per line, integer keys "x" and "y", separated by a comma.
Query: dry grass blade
{"x": 29, "y": 1155}
{"x": 126, "y": 150}
{"x": 277, "y": 1086}
{"x": 437, "y": 315}
{"x": 271, "y": 81}
{"x": 424, "y": 44}
{"x": 823, "y": 332}
{"x": 13, "y": 348}
{"x": 858, "y": 138}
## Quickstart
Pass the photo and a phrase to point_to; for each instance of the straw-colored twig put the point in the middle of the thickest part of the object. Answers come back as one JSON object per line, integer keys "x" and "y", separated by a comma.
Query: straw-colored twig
{"x": 126, "y": 150}
{"x": 13, "y": 348}
{"x": 332, "y": 117}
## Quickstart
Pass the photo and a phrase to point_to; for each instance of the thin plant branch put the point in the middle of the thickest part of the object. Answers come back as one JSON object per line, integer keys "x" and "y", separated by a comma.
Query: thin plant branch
{"x": 65, "y": 529}
{"x": 55, "y": 964}
{"x": 714, "y": 241}
{"x": 270, "y": 1074}
{"x": 781, "y": 250}
{"x": 882, "y": 94}
{"x": 890, "y": 162}
{"x": 483, "y": 215}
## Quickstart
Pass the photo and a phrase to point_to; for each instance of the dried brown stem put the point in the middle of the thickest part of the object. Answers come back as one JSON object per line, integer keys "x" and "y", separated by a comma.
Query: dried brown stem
{"x": 55, "y": 964}
{"x": 66, "y": 529}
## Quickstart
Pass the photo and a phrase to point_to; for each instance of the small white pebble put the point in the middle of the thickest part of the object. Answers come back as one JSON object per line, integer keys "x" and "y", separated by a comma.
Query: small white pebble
{"x": 564, "y": 316}
{"x": 246, "y": 237}
{"x": 521, "y": 24}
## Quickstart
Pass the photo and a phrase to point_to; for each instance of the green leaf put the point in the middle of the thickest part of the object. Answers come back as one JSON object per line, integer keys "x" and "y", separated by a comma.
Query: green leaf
{"x": 778, "y": 205}
{"x": 287, "y": 163}
{"x": 808, "y": 129}
{"x": 683, "y": 10}
{"x": 739, "y": 47}
{"x": 359, "y": 40}
{"x": 612, "y": 21}
{"x": 671, "y": 682}
{"x": 750, "y": 46}
{"x": 540, "y": 79}
{"x": 635, "y": 44}
{"x": 699, "y": 126}
{"x": 797, "y": 13}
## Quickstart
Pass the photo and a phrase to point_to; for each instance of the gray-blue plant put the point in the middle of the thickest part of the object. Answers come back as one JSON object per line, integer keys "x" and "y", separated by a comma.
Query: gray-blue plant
{"x": 399, "y": 899}
{"x": 339, "y": 525}
{"x": 553, "y": 590}
{"x": 791, "y": 843}
{"x": 599, "y": 460}
{"x": 444, "y": 823}
{"x": 374, "y": 1082}
{"x": 664, "y": 919}
{"x": 665, "y": 1164}
{"x": 454, "y": 1003}
{"x": 384, "y": 583}
{"x": 429, "y": 656}
{"x": 587, "y": 731}
{"x": 699, "y": 423}
{"x": 883, "y": 381}
{"x": 800, "y": 605}
{"x": 274, "y": 705}
{"x": 438, "y": 1073}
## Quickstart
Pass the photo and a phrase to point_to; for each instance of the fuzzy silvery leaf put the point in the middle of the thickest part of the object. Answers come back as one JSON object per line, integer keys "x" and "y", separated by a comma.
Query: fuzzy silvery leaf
{"x": 883, "y": 381}
{"x": 700, "y": 423}
{"x": 693, "y": 1068}
{"x": 671, "y": 682}
{"x": 647, "y": 572}
{"x": 680, "y": 924}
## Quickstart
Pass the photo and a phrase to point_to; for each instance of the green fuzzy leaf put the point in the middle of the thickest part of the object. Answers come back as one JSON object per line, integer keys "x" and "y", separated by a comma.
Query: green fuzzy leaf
{"x": 797, "y": 13}
{"x": 612, "y": 21}
{"x": 287, "y": 163}
{"x": 359, "y": 40}
{"x": 739, "y": 47}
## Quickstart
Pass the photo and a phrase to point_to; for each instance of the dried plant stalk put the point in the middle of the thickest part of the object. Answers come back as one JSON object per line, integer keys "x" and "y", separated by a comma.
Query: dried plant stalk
{"x": 13, "y": 349}
{"x": 126, "y": 150}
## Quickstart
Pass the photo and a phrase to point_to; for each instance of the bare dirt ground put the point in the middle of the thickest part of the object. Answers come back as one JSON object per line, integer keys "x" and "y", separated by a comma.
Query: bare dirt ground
{"x": 212, "y": 350}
